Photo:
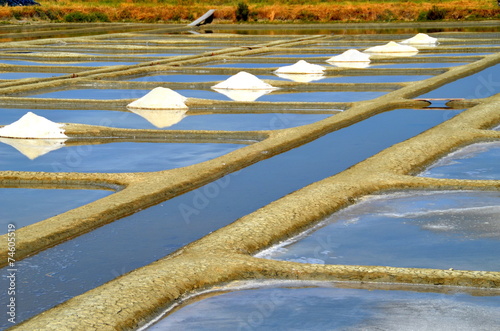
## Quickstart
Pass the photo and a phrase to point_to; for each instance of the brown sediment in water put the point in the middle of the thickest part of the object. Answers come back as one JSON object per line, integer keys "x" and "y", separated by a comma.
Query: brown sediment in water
{"x": 226, "y": 254}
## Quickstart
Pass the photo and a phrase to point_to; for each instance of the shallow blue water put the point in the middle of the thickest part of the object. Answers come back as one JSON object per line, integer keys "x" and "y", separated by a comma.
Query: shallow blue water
{"x": 90, "y": 260}
{"x": 417, "y": 65}
{"x": 250, "y": 65}
{"x": 298, "y": 55}
{"x": 476, "y": 161}
{"x": 129, "y": 120}
{"x": 374, "y": 79}
{"x": 194, "y": 78}
{"x": 20, "y": 75}
{"x": 322, "y": 96}
{"x": 327, "y": 308}
{"x": 68, "y": 63}
{"x": 112, "y": 94}
{"x": 23, "y": 207}
{"x": 440, "y": 230}
{"x": 114, "y": 157}
{"x": 480, "y": 85}
{"x": 451, "y": 54}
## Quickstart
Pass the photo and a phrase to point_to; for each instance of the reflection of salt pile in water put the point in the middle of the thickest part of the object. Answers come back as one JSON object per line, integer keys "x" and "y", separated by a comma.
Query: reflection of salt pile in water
{"x": 301, "y": 78}
{"x": 392, "y": 48}
{"x": 302, "y": 72}
{"x": 351, "y": 58}
{"x": 33, "y": 126}
{"x": 243, "y": 87}
{"x": 162, "y": 107}
{"x": 161, "y": 118}
{"x": 160, "y": 98}
{"x": 33, "y": 148}
{"x": 420, "y": 39}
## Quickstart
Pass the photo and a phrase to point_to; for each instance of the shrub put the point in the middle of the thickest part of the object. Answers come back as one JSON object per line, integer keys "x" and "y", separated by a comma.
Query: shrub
{"x": 82, "y": 17}
{"x": 307, "y": 16}
{"x": 435, "y": 13}
{"x": 242, "y": 12}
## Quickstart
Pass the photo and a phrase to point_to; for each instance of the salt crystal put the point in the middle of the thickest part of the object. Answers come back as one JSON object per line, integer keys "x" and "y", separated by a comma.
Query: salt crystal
{"x": 392, "y": 47}
{"x": 301, "y": 67}
{"x": 421, "y": 39}
{"x": 33, "y": 126}
{"x": 160, "y": 98}
{"x": 243, "y": 81}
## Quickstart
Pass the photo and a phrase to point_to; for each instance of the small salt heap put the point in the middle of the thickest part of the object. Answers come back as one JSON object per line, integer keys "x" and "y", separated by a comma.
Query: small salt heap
{"x": 160, "y": 98}
{"x": 243, "y": 81}
{"x": 301, "y": 67}
{"x": 351, "y": 58}
{"x": 301, "y": 72}
{"x": 351, "y": 55}
{"x": 33, "y": 126}
{"x": 393, "y": 48}
{"x": 421, "y": 39}
{"x": 243, "y": 87}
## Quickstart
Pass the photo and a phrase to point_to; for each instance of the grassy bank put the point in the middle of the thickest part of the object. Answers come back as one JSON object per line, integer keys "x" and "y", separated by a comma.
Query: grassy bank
{"x": 252, "y": 11}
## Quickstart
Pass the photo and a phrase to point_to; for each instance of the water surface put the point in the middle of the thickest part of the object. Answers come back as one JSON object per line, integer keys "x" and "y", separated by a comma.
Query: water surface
{"x": 459, "y": 230}
{"x": 325, "y": 308}
{"x": 479, "y": 85}
{"x": 22, "y": 207}
{"x": 476, "y": 161}
{"x": 91, "y": 260}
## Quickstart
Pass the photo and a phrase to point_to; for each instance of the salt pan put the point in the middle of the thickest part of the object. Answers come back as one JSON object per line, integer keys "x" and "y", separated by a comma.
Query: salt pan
{"x": 421, "y": 39}
{"x": 393, "y": 48}
{"x": 160, "y": 98}
{"x": 33, "y": 126}
{"x": 301, "y": 67}
{"x": 243, "y": 81}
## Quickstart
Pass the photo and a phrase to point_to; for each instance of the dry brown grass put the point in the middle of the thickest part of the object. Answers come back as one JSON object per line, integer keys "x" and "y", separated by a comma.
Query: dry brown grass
{"x": 54, "y": 10}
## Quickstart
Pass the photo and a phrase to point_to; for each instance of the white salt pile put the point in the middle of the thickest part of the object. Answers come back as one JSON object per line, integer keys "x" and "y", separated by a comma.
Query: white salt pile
{"x": 33, "y": 148}
{"x": 243, "y": 81}
{"x": 351, "y": 55}
{"x": 393, "y": 48}
{"x": 33, "y": 126}
{"x": 160, "y": 98}
{"x": 161, "y": 118}
{"x": 301, "y": 67}
{"x": 420, "y": 39}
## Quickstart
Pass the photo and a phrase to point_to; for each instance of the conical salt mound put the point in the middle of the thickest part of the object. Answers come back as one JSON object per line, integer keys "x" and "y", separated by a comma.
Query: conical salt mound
{"x": 33, "y": 126}
{"x": 243, "y": 81}
{"x": 33, "y": 148}
{"x": 160, "y": 98}
{"x": 421, "y": 39}
{"x": 301, "y": 67}
{"x": 392, "y": 47}
{"x": 351, "y": 55}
